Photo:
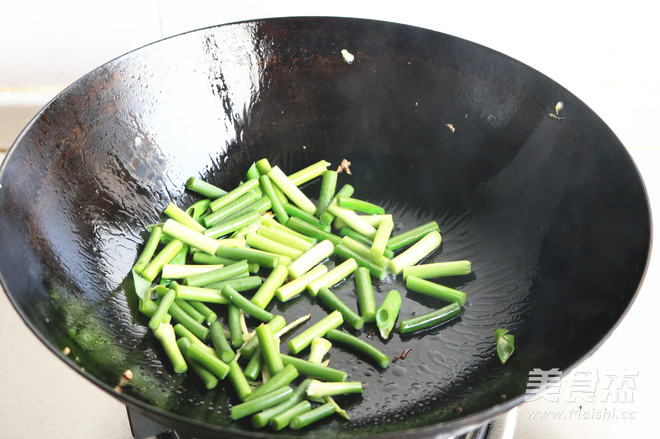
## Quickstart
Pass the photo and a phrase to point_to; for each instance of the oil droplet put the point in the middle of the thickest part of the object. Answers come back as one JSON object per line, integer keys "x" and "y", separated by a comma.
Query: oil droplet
{"x": 436, "y": 357}
{"x": 424, "y": 368}
{"x": 399, "y": 371}
{"x": 391, "y": 387}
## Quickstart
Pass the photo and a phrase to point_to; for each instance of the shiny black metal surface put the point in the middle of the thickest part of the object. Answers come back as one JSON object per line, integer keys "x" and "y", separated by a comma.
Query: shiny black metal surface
{"x": 551, "y": 211}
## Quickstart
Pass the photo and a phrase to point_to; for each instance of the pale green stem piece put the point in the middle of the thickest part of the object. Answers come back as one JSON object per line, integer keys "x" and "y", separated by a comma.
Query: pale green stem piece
{"x": 291, "y": 190}
{"x": 438, "y": 269}
{"x": 284, "y": 237}
{"x": 310, "y": 258}
{"x": 260, "y": 242}
{"x": 319, "y": 329}
{"x": 291, "y": 289}
{"x": 310, "y": 172}
{"x": 418, "y": 251}
{"x": 179, "y": 271}
{"x": 387, "y": 313}
{"x": 179, "y": 215}
{"x": 190, "y": 236}
{"x": 265, "y": 293}
{"x": 380, "y": 239}
{"x": 332, "y": 277}
{"x": 352, "y": 220}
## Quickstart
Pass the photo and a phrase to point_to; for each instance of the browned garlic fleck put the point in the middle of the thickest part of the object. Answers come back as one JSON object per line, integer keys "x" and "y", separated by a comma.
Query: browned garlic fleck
{"x": 344, "y": 166}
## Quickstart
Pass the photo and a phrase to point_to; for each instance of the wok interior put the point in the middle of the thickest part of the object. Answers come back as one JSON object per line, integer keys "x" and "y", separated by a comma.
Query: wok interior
{"x": 552, "y": 213}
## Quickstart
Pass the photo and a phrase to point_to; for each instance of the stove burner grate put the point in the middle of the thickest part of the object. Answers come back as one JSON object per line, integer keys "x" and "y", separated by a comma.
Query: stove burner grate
{"x": 145, "y": 428}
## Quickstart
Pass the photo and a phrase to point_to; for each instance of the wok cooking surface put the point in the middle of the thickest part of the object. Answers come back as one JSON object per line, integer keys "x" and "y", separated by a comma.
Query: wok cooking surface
{"x": 526, "y": 197}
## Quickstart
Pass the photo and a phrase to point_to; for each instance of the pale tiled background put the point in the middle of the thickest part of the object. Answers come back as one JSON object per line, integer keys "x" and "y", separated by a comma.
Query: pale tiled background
{"x": 606, "y": 52}
{"x": 603, "y": 51}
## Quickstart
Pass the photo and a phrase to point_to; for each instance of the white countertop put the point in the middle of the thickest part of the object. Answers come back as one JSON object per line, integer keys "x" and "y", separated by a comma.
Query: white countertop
{"x": 42, "y": 397}
{"x": 604, "y": 51}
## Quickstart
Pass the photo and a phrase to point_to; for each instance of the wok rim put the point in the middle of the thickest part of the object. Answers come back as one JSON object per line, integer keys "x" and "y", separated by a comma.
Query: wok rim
{"x": 451, "y": 427}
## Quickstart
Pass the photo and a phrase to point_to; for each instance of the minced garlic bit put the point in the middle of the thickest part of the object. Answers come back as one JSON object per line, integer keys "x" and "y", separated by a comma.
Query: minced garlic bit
{"x": 128, "y": 374}
{"x": 451, "y": 127}
{"x": 344, "y": 166}
{"x": 558, "y": 107}
{"x": 66, "y": 350}
{"x": 348, "y": 56}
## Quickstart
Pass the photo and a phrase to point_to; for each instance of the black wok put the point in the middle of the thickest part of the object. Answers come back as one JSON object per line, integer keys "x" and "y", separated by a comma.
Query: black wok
{"x": 550, "y": 210}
